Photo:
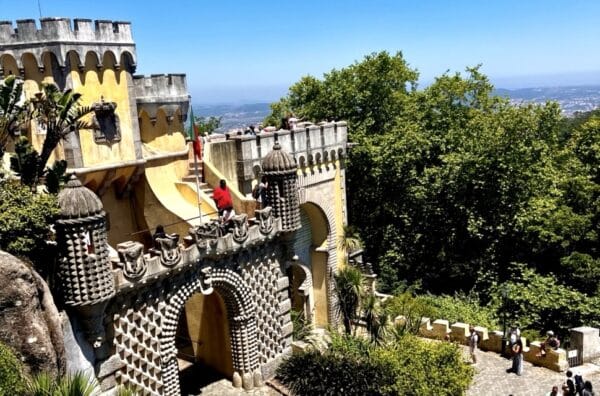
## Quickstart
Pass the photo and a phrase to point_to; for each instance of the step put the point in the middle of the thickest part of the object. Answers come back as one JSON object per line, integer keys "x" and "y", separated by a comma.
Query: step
{"x": 191, "y": 179}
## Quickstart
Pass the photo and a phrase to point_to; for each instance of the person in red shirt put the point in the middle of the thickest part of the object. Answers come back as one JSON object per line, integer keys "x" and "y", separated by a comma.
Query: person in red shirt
{"x": 223, "y": 200}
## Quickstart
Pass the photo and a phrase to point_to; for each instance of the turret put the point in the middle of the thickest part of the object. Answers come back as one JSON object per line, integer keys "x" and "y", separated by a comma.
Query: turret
{"x": 282, "y": 193}
{"x": 85, "y": 280}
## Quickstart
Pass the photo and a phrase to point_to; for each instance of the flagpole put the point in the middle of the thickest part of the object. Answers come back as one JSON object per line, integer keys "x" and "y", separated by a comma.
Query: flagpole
{"x": 197, "y": 183}
{"x": 194, "y": 135}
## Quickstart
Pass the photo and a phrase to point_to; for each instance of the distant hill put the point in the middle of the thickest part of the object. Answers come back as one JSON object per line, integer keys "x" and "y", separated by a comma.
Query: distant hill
{"x": 234, "y": 115}
{"x": 571, "y": 100}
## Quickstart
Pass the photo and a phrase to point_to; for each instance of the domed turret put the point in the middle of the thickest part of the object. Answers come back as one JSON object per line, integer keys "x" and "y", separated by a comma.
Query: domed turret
{"x": 77, "y": 201}
{"x": 282, "y": 192}
{"x": 278, "y": 160}
{"x": 85, "y": 279}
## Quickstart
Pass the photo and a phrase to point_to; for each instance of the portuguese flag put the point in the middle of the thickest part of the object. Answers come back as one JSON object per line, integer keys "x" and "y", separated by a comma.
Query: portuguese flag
{"x": 194, "y": 135}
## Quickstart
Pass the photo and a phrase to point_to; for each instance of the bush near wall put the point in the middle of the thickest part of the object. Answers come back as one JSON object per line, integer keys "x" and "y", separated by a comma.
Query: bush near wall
{"x": 12, "y": 378}
{"x": 353, "y": 366}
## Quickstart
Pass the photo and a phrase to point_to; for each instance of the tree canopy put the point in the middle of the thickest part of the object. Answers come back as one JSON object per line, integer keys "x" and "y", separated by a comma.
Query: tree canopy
{"x": 458, "y": 181}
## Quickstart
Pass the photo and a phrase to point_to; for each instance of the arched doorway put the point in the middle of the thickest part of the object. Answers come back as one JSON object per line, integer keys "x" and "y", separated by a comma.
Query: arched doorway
{"x": 310, "y": 246}
{"x": 240, "y": 317}
{"x": 203, "y": 343}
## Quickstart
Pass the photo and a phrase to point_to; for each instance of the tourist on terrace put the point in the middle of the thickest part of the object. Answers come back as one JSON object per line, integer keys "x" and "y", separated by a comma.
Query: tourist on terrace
{"x": 224, "y": 203}
{"x": 517, "y": 350}
{"x": 473, "y": 341}
{"x": 551, "y": 343}
{"x": 260, "y": 193}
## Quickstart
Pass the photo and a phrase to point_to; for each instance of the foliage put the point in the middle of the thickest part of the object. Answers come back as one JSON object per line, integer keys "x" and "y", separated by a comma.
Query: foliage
{"x": 349, "y": 289}
{"x": 301, "y": 327}
{"x": 78, "y": 384}
{"x": 59, "y": 113}
{"x": 11, "y": 110}
{"x": 352, "y": 366}
{"x": 375, "y": 318}
{"x": 12, "y": 376}
{"x": 207, "y": 125}
{"x": 540, "y": 303}
{"x": 458, "y": 182}
{"x": 25, "y": 162}
{"x": 25, "y": 218}
{"x": 412, "y": 309}
{"x": 461, "y": 307}
{"x": 350, "y": 240}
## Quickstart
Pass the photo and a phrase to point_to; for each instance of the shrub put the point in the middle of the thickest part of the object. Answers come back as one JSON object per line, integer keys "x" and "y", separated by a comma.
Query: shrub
{"x": 461, "y": 308}
{"x": 353, "y": 366}
{"x": 413, "y": 309}
{"x": 11, "y": 373}
{"x": 25, "y": 220}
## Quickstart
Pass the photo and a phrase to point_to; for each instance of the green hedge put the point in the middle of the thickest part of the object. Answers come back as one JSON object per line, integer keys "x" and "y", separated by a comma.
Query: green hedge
{"x": 409, "y": 366}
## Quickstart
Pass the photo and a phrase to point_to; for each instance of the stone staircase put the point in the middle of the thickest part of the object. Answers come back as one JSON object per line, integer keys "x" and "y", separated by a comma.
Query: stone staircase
{"x": 191, "y": 178}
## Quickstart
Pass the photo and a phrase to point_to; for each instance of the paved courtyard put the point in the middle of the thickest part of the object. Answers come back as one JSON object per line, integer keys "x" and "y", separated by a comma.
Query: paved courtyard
{"x": 491, "y": 379}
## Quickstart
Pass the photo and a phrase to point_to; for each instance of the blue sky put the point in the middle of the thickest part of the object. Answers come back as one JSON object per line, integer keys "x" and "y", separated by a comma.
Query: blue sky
{"x": 253, "y": 50}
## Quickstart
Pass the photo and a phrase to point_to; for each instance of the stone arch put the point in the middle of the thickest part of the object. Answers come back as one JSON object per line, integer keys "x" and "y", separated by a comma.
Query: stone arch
{"x": 241, "y": 313}
{"x": 73, "y": 60}
{"x": 127, "y": 61}
{"x": 32, "y": 69}
{"x": 9, "y": 65}
{"x": 109, "y": 60}
{"x": 304, "y": 290}
{"x": 326, "y": 207}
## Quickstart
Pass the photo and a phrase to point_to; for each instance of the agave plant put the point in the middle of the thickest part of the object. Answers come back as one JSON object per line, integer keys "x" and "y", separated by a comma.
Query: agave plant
{"x": 77, "y": 384}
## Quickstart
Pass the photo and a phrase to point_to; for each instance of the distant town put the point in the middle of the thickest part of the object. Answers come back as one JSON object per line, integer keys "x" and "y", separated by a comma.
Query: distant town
{"x": 571, "y": 100}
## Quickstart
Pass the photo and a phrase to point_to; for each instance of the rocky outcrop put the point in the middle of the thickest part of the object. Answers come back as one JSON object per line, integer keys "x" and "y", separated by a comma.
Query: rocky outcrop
{"x": 29, "y": 320}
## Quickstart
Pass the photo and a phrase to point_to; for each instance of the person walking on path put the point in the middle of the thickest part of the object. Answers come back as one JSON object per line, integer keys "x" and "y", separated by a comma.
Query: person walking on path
{"x": 517, "y": 363}
{"x": 473, "y": 341}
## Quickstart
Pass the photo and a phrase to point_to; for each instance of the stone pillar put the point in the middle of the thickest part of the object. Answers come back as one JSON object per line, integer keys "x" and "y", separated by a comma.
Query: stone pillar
{"x": 587, "y": 341}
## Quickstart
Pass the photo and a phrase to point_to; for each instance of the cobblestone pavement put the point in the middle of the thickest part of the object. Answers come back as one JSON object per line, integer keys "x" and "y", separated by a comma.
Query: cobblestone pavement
{"x": 224, "y": 388}
{"x": 491, "y": 378}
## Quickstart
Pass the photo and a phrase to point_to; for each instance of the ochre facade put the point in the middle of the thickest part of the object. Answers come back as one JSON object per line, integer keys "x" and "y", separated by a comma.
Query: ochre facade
{"x": 196, "y": 296}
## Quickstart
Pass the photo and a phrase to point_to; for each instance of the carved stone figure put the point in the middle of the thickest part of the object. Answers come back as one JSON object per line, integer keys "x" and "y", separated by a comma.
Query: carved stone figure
{"x": 240, "y": 228}
{"x": 168, "y": 248}
{"x": 132, "y": 261}
{"x": 265, "y": 220}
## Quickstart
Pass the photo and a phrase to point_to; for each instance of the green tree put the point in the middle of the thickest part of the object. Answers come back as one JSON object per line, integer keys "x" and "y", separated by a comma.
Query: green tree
{"x": 11, "y": 110}
{"x": 457, "y": 180}
{"x": 349, "y": 290}
{"x": 59, "y": 113}
{"x": 207, "y": 125}
{"x": 25, "y": 219}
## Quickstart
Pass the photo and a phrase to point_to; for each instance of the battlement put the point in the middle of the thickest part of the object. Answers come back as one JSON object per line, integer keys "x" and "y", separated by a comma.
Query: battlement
{"x": 60, "y": 30}
{"x": 166, "y": 91}
{"x": 61, "y": 38}
{"x": 162, "y": 86}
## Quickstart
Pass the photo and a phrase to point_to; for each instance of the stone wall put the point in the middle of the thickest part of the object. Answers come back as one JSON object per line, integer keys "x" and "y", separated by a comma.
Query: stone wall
{"x": 441, "y": 329}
